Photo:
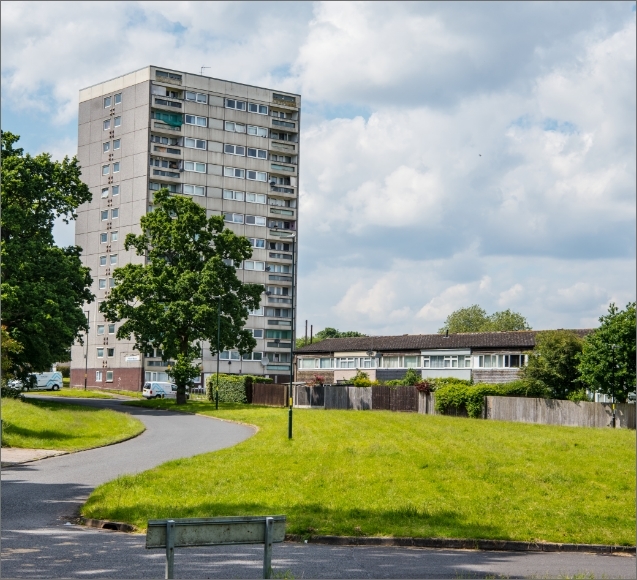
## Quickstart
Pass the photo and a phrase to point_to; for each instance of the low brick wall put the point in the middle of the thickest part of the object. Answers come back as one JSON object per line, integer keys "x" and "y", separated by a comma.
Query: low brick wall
{"x": 123, "y": 379}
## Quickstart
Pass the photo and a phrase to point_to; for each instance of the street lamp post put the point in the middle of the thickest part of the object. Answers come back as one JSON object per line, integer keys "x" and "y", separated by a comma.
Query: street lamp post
{"x": 612, "y": 349}
{"x": 87, "y": 313}
{"x": 218, "y": 353}
{"x": 292, "y": 338}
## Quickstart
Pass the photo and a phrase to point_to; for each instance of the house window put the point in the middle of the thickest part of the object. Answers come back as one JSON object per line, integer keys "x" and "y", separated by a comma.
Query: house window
{"x": 103, "y": 238}
{"x": 199, "y": 190}
{"x": 116, "y": 167}
{"x": 104, "y": 215}
{"x": 257, "y": 153}
{"x": 234, "y": 104}
{"x": 257, "y": 242}
{"x": 110, "y": 352}
{"x": 411, "y": 362}
{"x": 100, "y": 329}
{"x": 233, "y": 195}
{"x": 346, "y": 363}
{"x": 118, "y": 98}
{"x": 98, "y": 376}
{"x": 111, "y": 282}
{"x": 234, "y": 172}
{"x": 114, "y": 213}
{"x": 116, "y": 190}
{"x": 235, "y": 218}
{"x": 257, "y": 175}
{"x": 281, "y": 202}
{"x": 235, "y": 127}
{"x": 194, "y": 166}
{"x": 308, "y": 363}
{"x": 107, "y": 102}
{"x": 106, "y": 169}
{"x": 279, "y": 246}
{"x": 257, "y": 332}
{"x": 280, "y": 268}
{"x": 102, "y": 260}
{"x": 234, "y": 150}
{"x": 109, "y": 376}
{"x": 392, "y": 362}
{"x": 260, "y": 109}
{"x": 172, "y": 76}
{"x": 113, "y": 259}
{"x": 195, "y": 120}
{"x": 274, "y": 180}
{"x": 111, "y": 329}
{"x": 255, "y": 220}
{"x": 116, "y": 144}
{"x": 104, "y": 192}
{"x": 257, "y": 131}
{"x": 195, "y": 143}
{"x": 113, "y": 236}
{"x": 118, "y": 121}
{"x": 284, "y": 334}
{"x": 100, "y": 353}
{"x": 255, "y": 197}
{"x": 253, "y": 356}
{"x": 106, "y": 147}
{"x": 279, "y": 290}
{"x": 257, "y": 312}
{"x": 107, "y": 124}
{"x": 252, "y": 265}
{"x": 165, "y": 140}
{"x": 197, "y": 97}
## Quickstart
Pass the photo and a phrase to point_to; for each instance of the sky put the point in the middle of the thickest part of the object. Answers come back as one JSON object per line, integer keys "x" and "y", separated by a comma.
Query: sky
{"x": 451, "y": 153}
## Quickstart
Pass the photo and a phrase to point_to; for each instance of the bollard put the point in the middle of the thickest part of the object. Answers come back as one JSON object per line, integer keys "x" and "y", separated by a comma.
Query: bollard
{"x": 267, "y": 548}
{"x": 170, "y": 549}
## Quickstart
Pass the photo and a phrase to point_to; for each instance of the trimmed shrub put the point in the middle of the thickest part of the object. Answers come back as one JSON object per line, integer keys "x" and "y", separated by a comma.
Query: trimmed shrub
{"x": 232, "y": 388}
{"x": 471, "y": 397}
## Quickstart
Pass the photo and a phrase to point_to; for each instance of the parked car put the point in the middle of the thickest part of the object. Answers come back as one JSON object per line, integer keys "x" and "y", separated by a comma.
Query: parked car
{"x": 49, "y": 381}
{"x": 160, "y": 390}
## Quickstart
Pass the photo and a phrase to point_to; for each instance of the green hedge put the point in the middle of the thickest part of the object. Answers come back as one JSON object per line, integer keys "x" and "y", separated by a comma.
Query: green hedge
{"x": 232, "y": 388}
{"x": 461, "y": 395}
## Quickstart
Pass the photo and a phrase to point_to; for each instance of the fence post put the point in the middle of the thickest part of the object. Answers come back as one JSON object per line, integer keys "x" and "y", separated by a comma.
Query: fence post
{"x": 170, "y": 549}
{"x": 267, "y": 548}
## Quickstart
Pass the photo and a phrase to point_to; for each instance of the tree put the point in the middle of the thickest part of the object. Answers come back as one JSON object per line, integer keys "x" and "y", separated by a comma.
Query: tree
{"x": 553, "y": 363}
{"x": 170, "y": 303}
{"x": 475, "y": 319}
{"x": 43, "y": 286}
{"x": 607, "y": 360}
{"x": 327, "y": 333}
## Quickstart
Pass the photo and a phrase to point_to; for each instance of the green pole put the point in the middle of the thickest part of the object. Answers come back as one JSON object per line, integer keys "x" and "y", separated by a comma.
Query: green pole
{"x": 218, "y": 353}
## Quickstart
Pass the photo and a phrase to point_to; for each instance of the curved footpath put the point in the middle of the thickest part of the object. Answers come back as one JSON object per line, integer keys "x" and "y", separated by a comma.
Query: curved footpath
{"x": 39, "y": 498}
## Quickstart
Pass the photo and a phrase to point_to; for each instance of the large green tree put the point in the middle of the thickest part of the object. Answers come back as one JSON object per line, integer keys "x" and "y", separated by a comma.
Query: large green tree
{"x": 553, "y": 363}
{"x": 475, "y": 319}
{"x": 607, "y": 361}
{"x": 43, "y": 286}
{"x": 170, "y": 302}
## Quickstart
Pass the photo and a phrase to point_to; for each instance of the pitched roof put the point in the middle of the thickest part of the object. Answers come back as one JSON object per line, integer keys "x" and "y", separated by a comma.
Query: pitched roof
{"x": 517, "y": 339}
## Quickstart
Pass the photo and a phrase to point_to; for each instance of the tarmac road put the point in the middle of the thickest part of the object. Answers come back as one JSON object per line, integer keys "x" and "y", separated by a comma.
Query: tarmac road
{"x": 38, "y": 499}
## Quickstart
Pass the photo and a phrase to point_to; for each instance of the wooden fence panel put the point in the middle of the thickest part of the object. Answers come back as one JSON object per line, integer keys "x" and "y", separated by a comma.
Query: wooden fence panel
{"x": 270, "y": 394}
{"x": 359, "y": 398}
{"x": 403, "y": 399}
{"x": 336, "y": 397}
{"x": 317, "y": 396}
{"x": 557, "y": 412}
{"x": 380, "y": 398}
{"x": 427, "y": 403}
{"x": 302, "y": 395}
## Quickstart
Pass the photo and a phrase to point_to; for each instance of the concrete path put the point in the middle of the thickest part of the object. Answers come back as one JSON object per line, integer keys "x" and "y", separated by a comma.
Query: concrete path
{"x": 13, "y": 455}
{"x": 38, "y": 542}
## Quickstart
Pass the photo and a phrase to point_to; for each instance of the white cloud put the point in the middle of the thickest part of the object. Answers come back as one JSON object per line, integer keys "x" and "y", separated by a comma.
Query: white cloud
{"x": 490, "y": 157}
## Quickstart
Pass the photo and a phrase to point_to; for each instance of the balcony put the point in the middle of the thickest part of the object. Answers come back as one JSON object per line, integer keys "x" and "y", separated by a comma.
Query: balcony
{"x": 166, "y": 103}
{"x": 286, "y": 100}
{"x": 282, "y": 147}
{"x": 279, "y": 189}
{"x": 279, "y": 167}
{"x": 282, "y": 211}
{"x": 169, "y": 150}
{"x": 278, "y": 345}
{"x": 281, "y": 123}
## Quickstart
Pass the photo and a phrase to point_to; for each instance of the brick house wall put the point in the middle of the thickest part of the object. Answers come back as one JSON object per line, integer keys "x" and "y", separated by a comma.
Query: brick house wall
{"x": 123, "y": 379}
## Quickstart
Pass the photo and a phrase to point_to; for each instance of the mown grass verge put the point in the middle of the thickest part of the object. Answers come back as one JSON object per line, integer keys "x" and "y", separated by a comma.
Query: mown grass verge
{"x": 73, "y": 393}
{"x": 380, "y": 473}
{"x": 37, "y": 424}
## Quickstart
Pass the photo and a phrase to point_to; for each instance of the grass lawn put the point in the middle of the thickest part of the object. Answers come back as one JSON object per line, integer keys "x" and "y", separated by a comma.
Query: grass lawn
{"x": 50, "y": 425}
{"x": 396, "y": 474}
{"x": 74, "y": 393}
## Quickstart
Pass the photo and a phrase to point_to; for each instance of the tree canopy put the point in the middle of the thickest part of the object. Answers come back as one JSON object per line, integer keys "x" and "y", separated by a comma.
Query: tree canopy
{"x": 171, "y": 301}
{"x": 43, "y": 286}
{"x": 475, "y": 319}
{"x": 607, "y": 360}
{"x": 327, "y": 333}
{"x": 553, "y": 363}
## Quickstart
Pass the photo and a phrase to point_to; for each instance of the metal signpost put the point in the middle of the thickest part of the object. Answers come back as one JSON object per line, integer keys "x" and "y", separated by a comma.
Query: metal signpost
{"x": 190, "y": 532}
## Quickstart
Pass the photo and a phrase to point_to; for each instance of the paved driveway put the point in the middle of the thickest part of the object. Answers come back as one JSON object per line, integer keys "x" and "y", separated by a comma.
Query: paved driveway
{"x": 37, "y": 541}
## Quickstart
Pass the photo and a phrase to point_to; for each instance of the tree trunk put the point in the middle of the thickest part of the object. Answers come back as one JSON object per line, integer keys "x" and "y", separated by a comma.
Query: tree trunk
{"x": 181, "y": 395}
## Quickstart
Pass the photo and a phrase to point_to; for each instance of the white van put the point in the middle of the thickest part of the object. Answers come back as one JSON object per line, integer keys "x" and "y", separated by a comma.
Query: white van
{"x": 49, "y": 381}
{"x": 159, "y": 390}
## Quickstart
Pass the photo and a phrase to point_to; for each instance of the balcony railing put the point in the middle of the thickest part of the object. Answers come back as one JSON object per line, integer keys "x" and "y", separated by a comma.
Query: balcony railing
{"x": 167, "y": 103}
{"x": 279, "y": 123}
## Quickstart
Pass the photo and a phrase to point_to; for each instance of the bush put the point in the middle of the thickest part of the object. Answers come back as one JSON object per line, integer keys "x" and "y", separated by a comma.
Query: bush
{"x": 361, "y": 379}
{"x": 232, "y": 388}
{"x": 8, "y": 393}
{"x": 580, "y": 395}
{"x": 471, "y": 397}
